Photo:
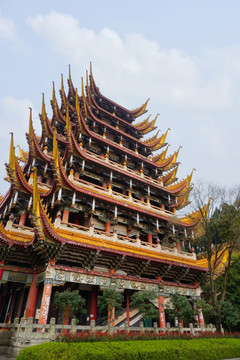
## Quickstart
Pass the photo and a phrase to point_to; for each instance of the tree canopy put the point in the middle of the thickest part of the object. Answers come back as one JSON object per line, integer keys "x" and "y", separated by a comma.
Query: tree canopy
{"x": 142, "y": 300}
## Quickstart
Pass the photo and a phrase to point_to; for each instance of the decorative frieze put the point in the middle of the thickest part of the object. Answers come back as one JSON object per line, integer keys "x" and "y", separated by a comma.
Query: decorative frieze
{"x": 17, "y": 277}
{"x": 121, "y": 284}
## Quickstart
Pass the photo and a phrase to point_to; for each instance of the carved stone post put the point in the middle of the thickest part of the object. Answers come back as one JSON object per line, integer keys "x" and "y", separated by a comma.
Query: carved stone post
{"x": 155, "y": 326}
{"x": 126, "y": 326}
{"x": 52, "y": 329}
{"x": 110, "y": 328}
{"x": 142, "y": 329}
{"x": 15, "y": 328}
{"x": 73, "y": 326}
{"x": 28, "y": 329}
{"x": 92, "y": 326}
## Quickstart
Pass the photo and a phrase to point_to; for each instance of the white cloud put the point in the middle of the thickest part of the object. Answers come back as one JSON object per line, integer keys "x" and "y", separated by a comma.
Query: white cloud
{"x": 7, "y": 29}
{"x": 173, "y": 76}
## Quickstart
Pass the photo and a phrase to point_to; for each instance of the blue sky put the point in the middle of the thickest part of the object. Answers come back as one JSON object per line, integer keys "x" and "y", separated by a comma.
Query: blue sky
{"x": 184, "y": 55}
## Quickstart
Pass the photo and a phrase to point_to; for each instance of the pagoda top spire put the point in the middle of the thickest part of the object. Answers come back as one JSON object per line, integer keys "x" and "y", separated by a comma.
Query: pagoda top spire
{"x": 131, "y": 115}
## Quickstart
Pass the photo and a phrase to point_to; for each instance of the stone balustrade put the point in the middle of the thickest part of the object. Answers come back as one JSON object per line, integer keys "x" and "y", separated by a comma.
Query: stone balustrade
{"x": 24, "y": 333}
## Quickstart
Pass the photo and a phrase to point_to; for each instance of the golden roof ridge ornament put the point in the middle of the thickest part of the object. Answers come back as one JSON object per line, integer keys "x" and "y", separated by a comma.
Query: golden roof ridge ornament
{"x": 140, "y": 110}
{"x": 162, "y": 155}
{"x": 151, "y": 126}
{"x": 151, "y": 140}
{"x": 44, "y": 115}
{"x": 55, "y": 149}
{"x": 142, "y": 123}
{"x": 83, "y": 98}
{"x": 63, "y": 92}
{"x": 12, "y": 153}
{"x": 53, "y": 93}
{"x": 30, "y": 126}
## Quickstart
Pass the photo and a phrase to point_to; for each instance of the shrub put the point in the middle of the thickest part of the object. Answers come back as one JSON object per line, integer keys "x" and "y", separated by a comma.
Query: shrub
{"x": 207, "y": 349}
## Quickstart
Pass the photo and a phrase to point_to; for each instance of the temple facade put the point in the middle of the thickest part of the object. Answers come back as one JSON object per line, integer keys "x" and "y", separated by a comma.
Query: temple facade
{"x": 93, "y": 204}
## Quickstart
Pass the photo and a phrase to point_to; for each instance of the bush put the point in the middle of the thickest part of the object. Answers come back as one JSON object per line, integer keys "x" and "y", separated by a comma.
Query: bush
{"x": 207, "y": 349}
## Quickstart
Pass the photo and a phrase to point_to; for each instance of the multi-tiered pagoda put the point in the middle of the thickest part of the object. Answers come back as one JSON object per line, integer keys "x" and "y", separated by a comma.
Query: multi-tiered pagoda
{"x": 92, "y": 205}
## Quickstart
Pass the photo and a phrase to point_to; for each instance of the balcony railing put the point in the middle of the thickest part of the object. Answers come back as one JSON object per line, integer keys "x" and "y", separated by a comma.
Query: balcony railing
{"x": 113, "y": 236}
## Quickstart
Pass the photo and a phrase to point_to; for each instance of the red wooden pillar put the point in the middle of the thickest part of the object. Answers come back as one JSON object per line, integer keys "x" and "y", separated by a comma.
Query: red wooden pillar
{"x": 149, "y": 238}
{"x": 162, "y": 321}
{"x": 32, "y": 299}
{"x": 76, "y": 219}
{"x": 1, "y": 274}
{"x": 65, "y": 216}
{"x": 200, "y": 318}
{"x": 104, "y": 185}
{"x": 107, "y": 227}
{"x": 48, "y": 182}
{"x": 1, "y": 269}
{"x": 127, "y": 308}
{"x": 11, "y": 306}
{"x": 162, "y": 206}
{"x": 180, "y": 321}
{"x": 22, "y": 219}
{"x": 178, "y": 246}
{"x": 46, "y": 296}
{"x": 93, "y": 304}
{"x": 20, "y": 299}
{"x": 111, "y": 315}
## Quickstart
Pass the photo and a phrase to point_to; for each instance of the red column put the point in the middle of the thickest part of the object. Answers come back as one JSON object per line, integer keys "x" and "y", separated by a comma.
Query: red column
{"x": 20, "y": 302}
{"x": 1, "y": 269}
{"x": 107, "y": 227}
{"x": 22, "y": 219}
{"x": 65, "y": 215}
{"x": 162, "y": 206}
{"x": 127, "y": 308}
{"x": 32, "y": 299}
{"x": 149, "y": 238}
{"x": 162, "y": 321}
{"x": 1, "y": 300}
{"x": 46, "y": 296}
{"x": 93, "y": 304}
{"x": 104, "y": 185}
{"x": 1, "y": 273}
{"x": 178, "y": 246}
{"x": 11, "y": 306}
{"x": 111, "y": 315}
{"x": 200, "y": 318}
{"x": 76, "y": 219}
{"x": 180, "y": 321}
{"x": 48, "y": 182}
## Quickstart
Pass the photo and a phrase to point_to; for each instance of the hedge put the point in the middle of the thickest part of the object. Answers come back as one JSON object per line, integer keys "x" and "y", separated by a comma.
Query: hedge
{"x": 207, "y": 349}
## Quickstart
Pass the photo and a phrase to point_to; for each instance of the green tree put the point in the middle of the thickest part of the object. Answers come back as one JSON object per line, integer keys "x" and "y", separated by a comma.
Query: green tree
{"x": 220, "y": 234}
{"x": 229, "y": 315}
{"x": 69, "y": 302}
{"x": 143, "y": 301}
{"x": 181, "y": 308}
{"x": 110, "y": 302}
